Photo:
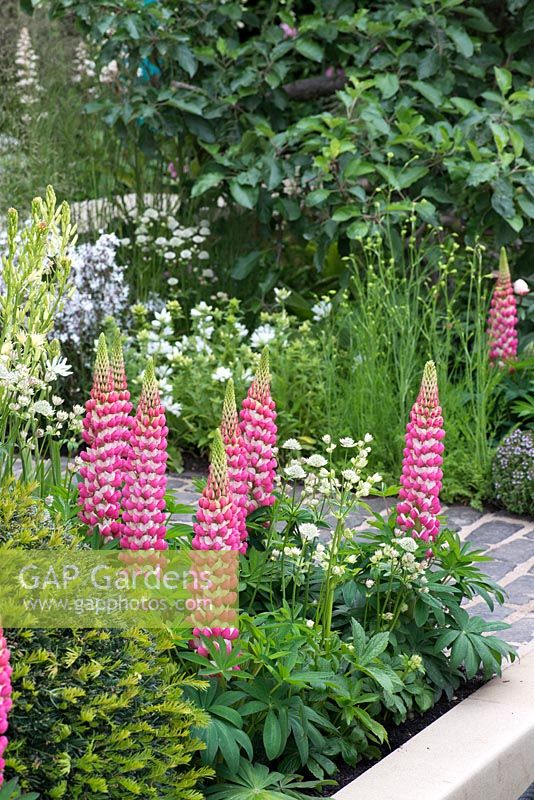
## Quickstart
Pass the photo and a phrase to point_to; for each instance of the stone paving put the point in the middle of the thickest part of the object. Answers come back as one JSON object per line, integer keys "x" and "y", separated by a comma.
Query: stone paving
{"x": 508, "y": 539}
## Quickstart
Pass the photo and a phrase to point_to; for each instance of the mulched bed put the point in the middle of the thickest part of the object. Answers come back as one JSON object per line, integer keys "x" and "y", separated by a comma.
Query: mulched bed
{"x": 400, "y": 734}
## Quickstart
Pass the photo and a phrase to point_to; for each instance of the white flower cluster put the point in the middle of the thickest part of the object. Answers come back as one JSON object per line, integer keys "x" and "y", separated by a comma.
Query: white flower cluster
{"x": 31, "y": 399}
{"x": 99, "y": 290}
{"x": 399, "y": 558}
{"x": 158, "y": 233}
{"x": 322, "y": 309}
{"x": 218, "y": 344}
{"x": 27, "y": 77}
{"x": 84, "y": 67}
{"x": 109, "y": 72}
{"x": 326, "y": 491}
{"x": 323, "y": 482}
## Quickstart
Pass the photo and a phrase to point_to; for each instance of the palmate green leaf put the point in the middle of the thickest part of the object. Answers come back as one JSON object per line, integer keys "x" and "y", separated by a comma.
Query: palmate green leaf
{"x": 371, "y": 724}
{"x": 375, "y": 646}
{"x": 255, "y": 782}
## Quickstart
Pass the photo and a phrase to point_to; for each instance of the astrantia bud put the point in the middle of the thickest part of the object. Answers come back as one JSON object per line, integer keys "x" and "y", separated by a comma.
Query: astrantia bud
{"x": 419, "y": 505}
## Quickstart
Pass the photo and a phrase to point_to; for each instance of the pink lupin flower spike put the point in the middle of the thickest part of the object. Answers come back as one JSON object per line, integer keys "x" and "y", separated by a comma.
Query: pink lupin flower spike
{"x": 419, "y": 505}
{"x": 502, "y": 319}
{"x": 217, "y": 525}
{"x": 120, "y": 397}
{"x": 5, "y": 698}
{"x": 236, "y": 459}
{"x": 100, "y": 487}
{"x": 143, "y": 495}
{"x": 258, "y": 429}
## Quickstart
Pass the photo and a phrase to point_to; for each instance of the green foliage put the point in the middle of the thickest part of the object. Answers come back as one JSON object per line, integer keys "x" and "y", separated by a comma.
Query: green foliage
{"x": 256, "y": 782}
{"x": 302, "y": 697}
{"x": 433, "y": 112}
{"x": 26, "y": 522}
{"x": 353, "y": 367}
{"x": 10, "y": 790}
{"x": 100, "y": 713}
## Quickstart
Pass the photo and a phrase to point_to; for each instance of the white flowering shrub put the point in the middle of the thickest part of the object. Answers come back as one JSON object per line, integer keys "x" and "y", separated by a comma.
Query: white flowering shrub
{"x": 98, "y": 290}
{"x": 27, "y": 81}
{"x": 195, "y": 356}
{"x": 164, "y": 249}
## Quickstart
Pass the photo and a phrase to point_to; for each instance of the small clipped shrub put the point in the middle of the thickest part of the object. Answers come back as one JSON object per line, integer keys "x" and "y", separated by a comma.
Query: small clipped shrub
{"x": 101, "y": 714}
{"x": 96, "y": 713}
{"x": 25, "y": 521}
{"x": 513, "y": 472}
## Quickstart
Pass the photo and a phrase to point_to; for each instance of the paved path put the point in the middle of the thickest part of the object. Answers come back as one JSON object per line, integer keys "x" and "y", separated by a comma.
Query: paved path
{"x": 508, "y": 539}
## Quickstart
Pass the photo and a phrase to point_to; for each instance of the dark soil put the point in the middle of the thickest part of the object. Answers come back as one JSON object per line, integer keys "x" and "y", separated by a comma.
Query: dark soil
{"x": 195, "y": 462}
{"x": 400, "y": 734}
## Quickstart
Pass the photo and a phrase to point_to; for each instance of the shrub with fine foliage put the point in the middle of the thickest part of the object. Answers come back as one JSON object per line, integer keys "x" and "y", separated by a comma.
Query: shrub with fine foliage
{"x": 513, "y": 472}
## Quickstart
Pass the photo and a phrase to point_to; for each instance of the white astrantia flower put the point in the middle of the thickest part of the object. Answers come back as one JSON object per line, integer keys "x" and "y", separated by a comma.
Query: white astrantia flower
{"x": 263, "y": 335}
{"x": 310, "y": 623}
{"x": 282, "y": 294}
{"x": 316, "y": 460}
{"x": 295, "y": 471}
{"x": 291, "y": 444}
{"x": 309, "y": 531}
{"x": 221, "y": 374}
{"x": 407, "y": 543}
{"x": 321, "y": 310}
{"x": 43, "y": 407}
{"x": 367, "y": 438}
{"x": 350, "y": 475}
{"x": 347, "y": 441}
{"x": 169, "y": 255}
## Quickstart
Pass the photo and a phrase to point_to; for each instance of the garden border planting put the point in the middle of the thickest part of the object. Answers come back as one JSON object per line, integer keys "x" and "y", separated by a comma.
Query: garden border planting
{"x": 480, "y": 750}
